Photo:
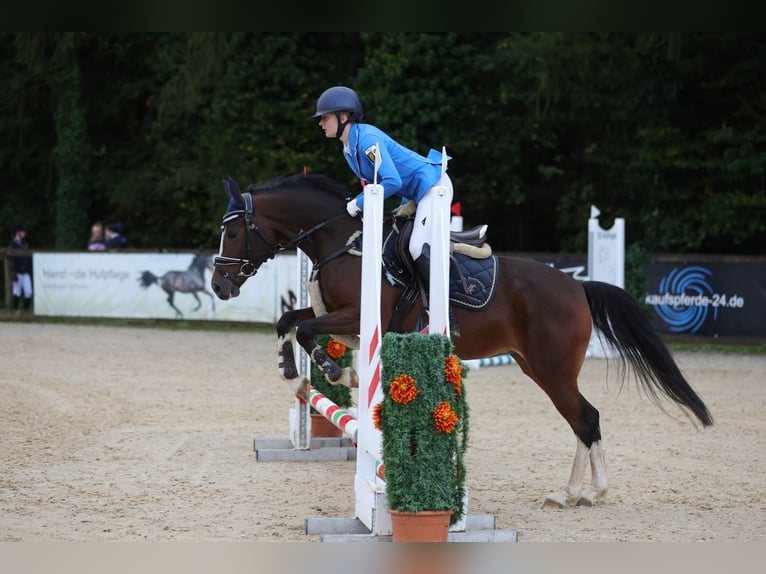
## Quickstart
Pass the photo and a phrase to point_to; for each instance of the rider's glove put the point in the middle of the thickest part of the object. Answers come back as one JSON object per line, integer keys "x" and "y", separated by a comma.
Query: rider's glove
{"x": 352, "y": 208}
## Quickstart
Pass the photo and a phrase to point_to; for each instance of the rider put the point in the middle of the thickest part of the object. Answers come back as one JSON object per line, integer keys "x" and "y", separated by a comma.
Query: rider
{"x": 401, "y": 172}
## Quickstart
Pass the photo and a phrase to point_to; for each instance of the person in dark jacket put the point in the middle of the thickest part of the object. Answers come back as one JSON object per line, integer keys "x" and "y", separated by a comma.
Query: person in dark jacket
{"x": 22, "y": 268}
{"x": 114, "y": 237}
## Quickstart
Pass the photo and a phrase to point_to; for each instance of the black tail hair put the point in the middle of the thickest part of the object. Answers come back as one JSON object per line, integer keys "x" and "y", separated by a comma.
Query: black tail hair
{"x": 621, "y": 321}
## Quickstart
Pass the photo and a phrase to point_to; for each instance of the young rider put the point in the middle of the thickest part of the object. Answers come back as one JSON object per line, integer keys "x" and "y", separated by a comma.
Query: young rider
{"x": 402, "y": 172}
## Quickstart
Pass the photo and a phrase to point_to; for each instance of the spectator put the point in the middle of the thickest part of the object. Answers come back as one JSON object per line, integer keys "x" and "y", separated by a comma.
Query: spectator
{"x": 22, "y": 269}
{"x": 114, "y": 236}
{"x": 96, "y": 241}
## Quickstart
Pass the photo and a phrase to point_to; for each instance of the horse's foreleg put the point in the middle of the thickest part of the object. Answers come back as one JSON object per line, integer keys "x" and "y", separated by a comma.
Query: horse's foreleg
{"x": 337, "y": 323}
{"x": 333, "y": 374}
{"x": 197, "y": 299}
{"x": 286, "y": 364}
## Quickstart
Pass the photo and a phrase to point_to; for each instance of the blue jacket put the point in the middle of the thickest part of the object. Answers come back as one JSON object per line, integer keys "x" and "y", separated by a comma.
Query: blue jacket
{"x": 402, "y": 172}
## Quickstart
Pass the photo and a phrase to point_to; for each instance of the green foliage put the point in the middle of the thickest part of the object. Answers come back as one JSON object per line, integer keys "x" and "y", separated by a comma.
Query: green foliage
{"x": 635, "y": 274}
{"x": 339, "y": 394}
{"x": 425, "y": 469}
{"x": 664, "y": 129}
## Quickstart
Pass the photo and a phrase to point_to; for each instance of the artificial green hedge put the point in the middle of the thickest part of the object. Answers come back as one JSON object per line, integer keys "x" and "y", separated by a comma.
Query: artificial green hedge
{"x": 424, "y": 466}
{"x": 339, "y": 394}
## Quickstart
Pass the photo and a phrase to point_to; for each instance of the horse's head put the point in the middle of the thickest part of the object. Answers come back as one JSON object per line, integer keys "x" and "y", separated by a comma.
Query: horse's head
{"x": 306, "y": 211}
{"x": 243, "y": 249}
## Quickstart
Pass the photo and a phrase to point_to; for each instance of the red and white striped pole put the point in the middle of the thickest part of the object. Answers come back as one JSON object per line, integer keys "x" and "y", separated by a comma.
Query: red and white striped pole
{"x": 369, "y": 488}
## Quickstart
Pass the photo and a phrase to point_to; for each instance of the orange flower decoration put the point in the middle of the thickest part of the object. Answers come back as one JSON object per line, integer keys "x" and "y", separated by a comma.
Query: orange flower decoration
{"x": 376, "y": 416}
{"x": 445, "y": 418}
{"x": 403, "y": 389}
{"x": 335, "y": 349}
{"x": 452, "y": 372}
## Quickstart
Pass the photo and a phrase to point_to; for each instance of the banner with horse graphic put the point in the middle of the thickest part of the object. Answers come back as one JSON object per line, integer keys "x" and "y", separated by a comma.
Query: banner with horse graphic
{"x": 153, "y": 286}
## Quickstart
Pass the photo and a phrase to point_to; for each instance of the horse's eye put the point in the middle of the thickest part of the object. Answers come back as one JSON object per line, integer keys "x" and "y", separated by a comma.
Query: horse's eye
{"x": 232, "y": 234}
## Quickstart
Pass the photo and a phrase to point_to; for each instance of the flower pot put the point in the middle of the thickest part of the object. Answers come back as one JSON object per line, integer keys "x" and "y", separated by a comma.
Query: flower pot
{"x": 424, "y": 526}
{"x": 321, "y": 427}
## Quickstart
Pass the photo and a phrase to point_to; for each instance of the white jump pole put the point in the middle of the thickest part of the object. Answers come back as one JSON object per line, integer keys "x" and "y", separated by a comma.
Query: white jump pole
{"x": 371, "y": 508}
{"x": 300, "y": 419}
{"x": 438, "y": 295}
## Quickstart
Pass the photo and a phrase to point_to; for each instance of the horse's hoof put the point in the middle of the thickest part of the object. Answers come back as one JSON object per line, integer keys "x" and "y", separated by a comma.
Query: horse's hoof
{"x": 591, "y": 497}
{"x": 551, "y": 503}
{"x": 300, "y": 387}
{"x": 304, "y": 389}
{"x": 559, "y": 500}
{"x": 348, "y": 378}
{"x": 352, "y": 377}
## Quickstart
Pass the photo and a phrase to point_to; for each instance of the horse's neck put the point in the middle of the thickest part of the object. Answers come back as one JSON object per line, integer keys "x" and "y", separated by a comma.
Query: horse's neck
{"x": 295, "y": 216}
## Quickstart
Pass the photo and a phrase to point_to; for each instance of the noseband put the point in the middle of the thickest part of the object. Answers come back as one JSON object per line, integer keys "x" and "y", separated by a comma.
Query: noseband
{"x": 248, "y": 267}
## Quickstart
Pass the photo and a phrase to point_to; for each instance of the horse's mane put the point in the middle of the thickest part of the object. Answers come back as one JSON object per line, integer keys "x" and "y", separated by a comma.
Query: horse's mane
{"x": 310, "y": 181}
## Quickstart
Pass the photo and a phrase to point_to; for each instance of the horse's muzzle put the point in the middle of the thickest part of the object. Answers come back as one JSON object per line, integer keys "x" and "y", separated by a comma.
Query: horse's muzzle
{"x": 224, "y": 287}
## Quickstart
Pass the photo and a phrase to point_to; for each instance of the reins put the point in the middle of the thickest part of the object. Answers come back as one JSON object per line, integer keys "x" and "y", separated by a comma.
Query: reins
{"x": 248, "y": 268}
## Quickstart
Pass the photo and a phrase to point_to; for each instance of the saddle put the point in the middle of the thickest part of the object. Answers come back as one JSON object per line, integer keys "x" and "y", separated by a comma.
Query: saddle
{"x": 473, "y": 268}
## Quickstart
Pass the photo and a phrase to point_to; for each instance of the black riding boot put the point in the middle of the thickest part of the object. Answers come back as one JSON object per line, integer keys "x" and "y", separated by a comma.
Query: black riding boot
{"x": 423, "y": 267}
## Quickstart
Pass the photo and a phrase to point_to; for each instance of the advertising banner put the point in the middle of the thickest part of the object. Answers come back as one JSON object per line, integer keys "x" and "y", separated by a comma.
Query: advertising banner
{"x": 708, "y": 298}
{"x": 155, "y": 286}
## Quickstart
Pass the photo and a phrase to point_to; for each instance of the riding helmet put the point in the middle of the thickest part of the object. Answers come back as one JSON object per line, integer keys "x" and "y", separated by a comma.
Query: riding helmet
{"x": 340, "y": 99}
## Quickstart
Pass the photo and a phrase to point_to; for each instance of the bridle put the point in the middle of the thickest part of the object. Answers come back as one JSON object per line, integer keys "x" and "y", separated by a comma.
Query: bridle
{"x": 248, "y": 267}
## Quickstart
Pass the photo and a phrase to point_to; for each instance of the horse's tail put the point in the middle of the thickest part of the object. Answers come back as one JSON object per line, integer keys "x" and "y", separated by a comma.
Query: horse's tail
{"x": 622, "y": 322}
{"x": 147, "y": 278}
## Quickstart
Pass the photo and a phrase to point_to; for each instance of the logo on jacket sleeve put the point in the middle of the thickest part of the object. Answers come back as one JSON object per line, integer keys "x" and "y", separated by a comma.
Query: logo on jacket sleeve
{"x": 370, "y": 152}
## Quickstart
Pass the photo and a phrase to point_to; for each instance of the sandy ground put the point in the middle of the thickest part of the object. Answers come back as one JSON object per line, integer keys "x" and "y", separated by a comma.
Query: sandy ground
{"x": 133, "y": 434}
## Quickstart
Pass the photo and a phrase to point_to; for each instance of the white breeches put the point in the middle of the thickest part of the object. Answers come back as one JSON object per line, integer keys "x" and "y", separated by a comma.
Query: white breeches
{"x": 421, "y": 231}
{"x": 23, "y": 284}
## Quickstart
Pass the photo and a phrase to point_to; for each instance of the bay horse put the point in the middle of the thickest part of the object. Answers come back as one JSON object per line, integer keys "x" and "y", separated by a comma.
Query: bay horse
{"x": 539, "y": 315}
{"x": 192, "y": 281}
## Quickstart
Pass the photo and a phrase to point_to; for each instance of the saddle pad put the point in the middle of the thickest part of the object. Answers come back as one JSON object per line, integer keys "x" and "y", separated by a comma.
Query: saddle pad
{"x": 472, "y": 281}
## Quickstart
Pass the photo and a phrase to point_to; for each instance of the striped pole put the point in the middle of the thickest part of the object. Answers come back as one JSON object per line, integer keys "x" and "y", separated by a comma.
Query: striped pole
{"x": 496, "y": 360}
{"x": 341, "y": 418}
{"x": 489, "y": 361}
{"x": 369, "y": 488}
{"x": 338, "y": 416}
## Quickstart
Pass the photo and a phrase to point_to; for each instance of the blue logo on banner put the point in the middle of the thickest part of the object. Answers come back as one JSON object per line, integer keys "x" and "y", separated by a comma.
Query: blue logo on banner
{"x": 686, "y": 300}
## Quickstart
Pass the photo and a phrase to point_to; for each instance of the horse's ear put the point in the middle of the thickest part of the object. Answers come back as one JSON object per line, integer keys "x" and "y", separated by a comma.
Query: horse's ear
{"x": 232, "y": 190}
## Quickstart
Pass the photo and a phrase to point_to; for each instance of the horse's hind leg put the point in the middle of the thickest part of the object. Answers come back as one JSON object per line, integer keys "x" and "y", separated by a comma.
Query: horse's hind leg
{"x": 556, "y": 373}
{"x": 588, "y": 432}
{"x": 598, "y": 483}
